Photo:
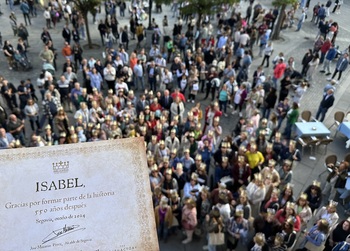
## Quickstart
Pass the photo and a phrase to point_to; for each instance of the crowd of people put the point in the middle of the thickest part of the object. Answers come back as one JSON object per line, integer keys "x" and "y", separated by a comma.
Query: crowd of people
{"x": 211, "y": 185}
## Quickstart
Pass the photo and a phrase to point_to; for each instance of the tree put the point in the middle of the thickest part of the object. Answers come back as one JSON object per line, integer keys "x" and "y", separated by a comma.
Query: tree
{"x": 84, "y": 7}
{"x": 204, "y": 7}
{"x": 283, "y": 5}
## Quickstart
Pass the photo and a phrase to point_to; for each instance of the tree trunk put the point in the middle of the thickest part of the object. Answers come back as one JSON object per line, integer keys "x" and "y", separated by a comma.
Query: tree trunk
{"x": 150, "y": 3}
{"x": 277, "y": 29}
{"x": 199, "y": 21}
{"x": 87, "y": 30}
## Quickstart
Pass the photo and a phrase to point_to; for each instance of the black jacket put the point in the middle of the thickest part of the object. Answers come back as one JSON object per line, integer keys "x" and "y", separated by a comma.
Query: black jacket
{"x": 327, "y": 103}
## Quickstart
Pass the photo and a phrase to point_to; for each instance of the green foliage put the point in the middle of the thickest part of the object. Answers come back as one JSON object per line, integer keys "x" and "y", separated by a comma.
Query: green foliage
{"x": 284, "y": 2}
{"x": 205, "y": 6}
{"x": 167, "y": 2}
{"x": 85, "y": 6}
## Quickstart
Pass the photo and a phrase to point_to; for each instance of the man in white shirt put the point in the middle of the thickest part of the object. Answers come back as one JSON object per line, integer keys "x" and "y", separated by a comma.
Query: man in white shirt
{"x": 121, "y": 85}
{"x": 244, "y": 38}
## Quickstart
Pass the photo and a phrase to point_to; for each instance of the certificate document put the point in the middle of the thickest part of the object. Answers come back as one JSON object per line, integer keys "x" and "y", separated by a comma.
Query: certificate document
{"x": 89, "y": 196}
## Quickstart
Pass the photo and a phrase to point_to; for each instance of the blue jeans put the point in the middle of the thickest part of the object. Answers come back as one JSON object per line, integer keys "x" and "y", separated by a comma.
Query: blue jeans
{"x": 280, "y": 120}
{"x": 139, "y": 80}
{"x": 274, "y": 81}
{"x": 300, "y": 23}
{"x": 20, "y": 137}
{"x": 211, "y": 247}
{"x": 162, "y": 231}
{"x": 152, "y": 84}
{"x": 321, "y": 111}
{"x": 223, "y": 105}
{"x": 288, "y": 130}
{"x": 82, "y": 32}
{"x": 344, "y": 193}
{"x": 266, "y": 112}
{"x": 322, "y": 57}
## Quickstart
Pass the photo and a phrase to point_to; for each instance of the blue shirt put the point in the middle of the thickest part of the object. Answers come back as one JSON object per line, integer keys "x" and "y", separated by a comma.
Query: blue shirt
{"x": 223, "y": 96}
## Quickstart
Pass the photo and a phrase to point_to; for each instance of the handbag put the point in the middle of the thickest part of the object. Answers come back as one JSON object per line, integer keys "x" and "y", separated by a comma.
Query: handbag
{"x": 312, "y": 247}
{"x": 217, "y": 239}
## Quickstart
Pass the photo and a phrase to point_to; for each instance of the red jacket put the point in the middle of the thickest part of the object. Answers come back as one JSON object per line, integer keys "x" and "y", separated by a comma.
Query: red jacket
{"x": 279, "y": 70}
{"x": 282, "y": 219}
{"x": 325, "y": 47}
{"x": 216, "y": 114}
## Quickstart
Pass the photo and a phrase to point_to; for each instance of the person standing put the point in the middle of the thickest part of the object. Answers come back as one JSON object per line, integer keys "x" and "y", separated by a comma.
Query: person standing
{"x": 312, "y": 67}
{"x": 305, "y": 62}
{"x": 8, "y": 52}
{"x": 268, "y": 51}
{"x": 332, "y": 52}
{"x": 124, "y": 37}
{"x": 292, "y": 118}
{"x": 102, "y": 28}
{"x": 25, "y": 11}
{"x": 66, "y": 34}
{"x": 342, "y": 64}
{"x": 78, "y": 54}
{"x": 23, "y": 33}
{"x": 278, "y": 72}
{"x": 51, "y": 105}
{"x": 301, "y": 20}
{"x": 189, "y": 219}
{"x": 31, "y": 110}
{"x": 223, "y": 99}
{"x": 47, "y": 17}
{"x": 326, "y": 103}
{"x": 328, "y": 6}
{"x": 13, "y": 23}
{"x": 23, "y": 95}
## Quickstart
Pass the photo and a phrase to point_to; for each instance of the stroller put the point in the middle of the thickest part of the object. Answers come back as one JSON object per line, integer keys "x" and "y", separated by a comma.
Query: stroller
{"x": 20, "y": 62}
{"x": 49, "y": 67}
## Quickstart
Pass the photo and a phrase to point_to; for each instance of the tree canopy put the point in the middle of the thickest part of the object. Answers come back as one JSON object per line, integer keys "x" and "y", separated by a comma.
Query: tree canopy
{"x": 280, "y": 3}
{"x": 283, "y": 5}
{"x": 84, "y": 7}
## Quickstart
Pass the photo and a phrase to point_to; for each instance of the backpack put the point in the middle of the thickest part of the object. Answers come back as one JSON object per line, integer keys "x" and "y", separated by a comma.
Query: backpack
{"x": 139, "y": 30}
{"x": 329, "y": 3}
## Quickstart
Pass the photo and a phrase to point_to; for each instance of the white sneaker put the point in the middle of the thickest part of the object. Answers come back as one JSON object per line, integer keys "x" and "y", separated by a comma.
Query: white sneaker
{"x": 234, "y": 112}
{"x": 186, "y": 241}
{"x": 231, "y": 106}
{"x": 240, "y": 114}
{"x": 188, "y": 101}
{"x": 329, "y": 79}
{"x": 192, "y": 101}
{"x": 225, "y": 114}
{"x": 337, "y": 82}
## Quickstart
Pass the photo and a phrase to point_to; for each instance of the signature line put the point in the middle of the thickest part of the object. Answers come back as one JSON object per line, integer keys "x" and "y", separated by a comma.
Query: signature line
{"x": 61, "y": 232}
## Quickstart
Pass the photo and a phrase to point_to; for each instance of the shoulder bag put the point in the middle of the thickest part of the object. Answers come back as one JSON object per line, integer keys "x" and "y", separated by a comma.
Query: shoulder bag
{"x": 312, "y": 247}
{"x": 217, "y": 239}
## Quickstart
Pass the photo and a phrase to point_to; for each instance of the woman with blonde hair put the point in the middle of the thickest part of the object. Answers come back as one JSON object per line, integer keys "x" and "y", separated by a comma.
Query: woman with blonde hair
{"x": 315, "y": 237}
{"x": 303, "y": 210}
{"x": 259, "y": 242}
{"x": 189, "y": 219}
{"x": 243, "y": 204}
